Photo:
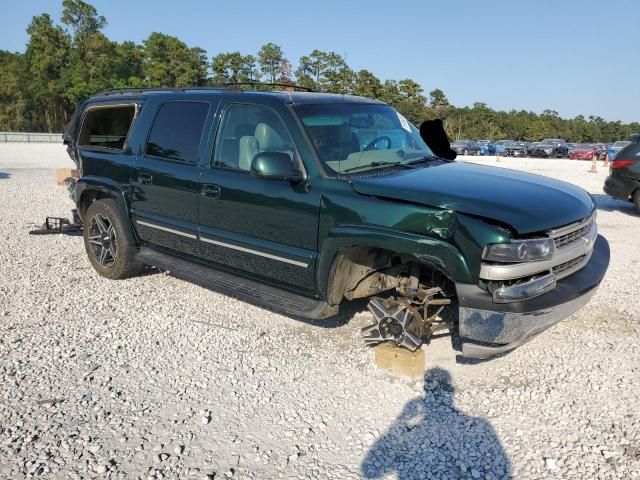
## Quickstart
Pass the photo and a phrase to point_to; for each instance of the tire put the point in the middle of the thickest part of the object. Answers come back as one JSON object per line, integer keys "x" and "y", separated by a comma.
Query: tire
{"x": 636, "y": 200}
{"x": 108, "y": 242}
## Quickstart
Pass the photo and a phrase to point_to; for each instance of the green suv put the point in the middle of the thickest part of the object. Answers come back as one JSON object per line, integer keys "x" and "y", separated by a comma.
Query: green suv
{"x": 299, "y": 201}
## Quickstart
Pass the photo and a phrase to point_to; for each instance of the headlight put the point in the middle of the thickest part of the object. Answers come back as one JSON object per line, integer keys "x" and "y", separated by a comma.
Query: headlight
{"x": 520, "y": 251}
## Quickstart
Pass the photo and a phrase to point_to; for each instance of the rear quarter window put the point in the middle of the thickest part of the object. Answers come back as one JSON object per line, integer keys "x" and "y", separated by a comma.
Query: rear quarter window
{"x": 177, "y": 130}
{"x": 106, "y": 126}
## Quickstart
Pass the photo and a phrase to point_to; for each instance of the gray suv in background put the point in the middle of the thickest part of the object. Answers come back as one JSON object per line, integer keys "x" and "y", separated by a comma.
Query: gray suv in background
{"x": 466, "y": 147}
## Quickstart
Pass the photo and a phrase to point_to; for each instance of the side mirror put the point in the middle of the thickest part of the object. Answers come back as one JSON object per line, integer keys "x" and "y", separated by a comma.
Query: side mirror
{"x": 275, "y": 166}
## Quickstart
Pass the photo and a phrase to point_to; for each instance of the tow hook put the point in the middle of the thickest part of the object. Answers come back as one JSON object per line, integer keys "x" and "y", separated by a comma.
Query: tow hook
{"x": 409, "y": 319}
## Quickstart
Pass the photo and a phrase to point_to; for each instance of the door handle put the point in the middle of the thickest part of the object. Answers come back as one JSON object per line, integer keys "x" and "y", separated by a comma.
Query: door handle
{"x": 144, "y": 179}
{"x": 209, "y": 190}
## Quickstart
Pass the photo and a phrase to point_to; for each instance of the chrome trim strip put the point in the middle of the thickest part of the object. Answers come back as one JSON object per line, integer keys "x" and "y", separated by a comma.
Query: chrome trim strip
{"x": 255, "y": 252}
{"x": 166, "y": 229}
{"x": 559, "y": 232}
{"x": 511, "y": 271}
{"x": 544, "y": 284}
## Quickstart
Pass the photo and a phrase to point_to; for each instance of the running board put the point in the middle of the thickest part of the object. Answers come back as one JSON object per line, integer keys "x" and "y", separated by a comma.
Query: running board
{"x": 239, "y": 287}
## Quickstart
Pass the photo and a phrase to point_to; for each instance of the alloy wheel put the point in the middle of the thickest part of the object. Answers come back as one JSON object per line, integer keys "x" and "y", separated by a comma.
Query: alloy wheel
{"x": 102, "y": 238}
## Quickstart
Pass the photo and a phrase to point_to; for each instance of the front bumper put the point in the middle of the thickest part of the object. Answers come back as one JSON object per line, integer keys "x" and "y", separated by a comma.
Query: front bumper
{"x": 488, "y": 328}
{"x": 540, "y": 154}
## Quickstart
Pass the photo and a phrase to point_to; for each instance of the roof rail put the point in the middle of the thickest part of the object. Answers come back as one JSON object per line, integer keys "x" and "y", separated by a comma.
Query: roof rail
{"x": 285, "y": 86}
{"x": 115, "y": 91}
{"x": 225, "y": 86}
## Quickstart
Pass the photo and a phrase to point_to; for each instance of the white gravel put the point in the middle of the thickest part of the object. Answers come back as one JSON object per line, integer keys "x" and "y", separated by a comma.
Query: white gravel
{"x": 154, "y": 377}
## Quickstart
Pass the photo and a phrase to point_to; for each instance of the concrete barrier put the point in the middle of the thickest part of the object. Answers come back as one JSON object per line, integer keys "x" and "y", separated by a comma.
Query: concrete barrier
{"x": 30, "y": 137}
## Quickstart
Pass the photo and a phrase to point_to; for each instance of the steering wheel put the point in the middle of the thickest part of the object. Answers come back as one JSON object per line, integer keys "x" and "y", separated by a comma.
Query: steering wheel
{"x": 373, "y": 142}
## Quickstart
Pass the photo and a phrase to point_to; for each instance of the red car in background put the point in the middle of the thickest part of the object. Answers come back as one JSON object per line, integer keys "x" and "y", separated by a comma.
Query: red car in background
{"x": 584, "y": 151}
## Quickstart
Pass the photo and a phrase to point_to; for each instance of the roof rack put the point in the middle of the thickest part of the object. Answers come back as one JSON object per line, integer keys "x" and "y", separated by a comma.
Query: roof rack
{"x": 236, "y": 86}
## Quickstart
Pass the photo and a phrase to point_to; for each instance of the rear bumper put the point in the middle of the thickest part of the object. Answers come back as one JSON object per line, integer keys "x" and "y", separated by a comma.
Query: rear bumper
{"x": 488, "y": 328}
{"x": 619, "y": 187}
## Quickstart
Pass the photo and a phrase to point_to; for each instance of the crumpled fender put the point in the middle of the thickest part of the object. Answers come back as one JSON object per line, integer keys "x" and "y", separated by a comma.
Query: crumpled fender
{"x": 431, "y": 251}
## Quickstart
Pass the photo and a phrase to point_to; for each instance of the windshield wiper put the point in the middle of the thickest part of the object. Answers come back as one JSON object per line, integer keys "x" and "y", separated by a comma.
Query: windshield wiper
{"x": 377, "y": 164}
{"x": 426, "y": 158}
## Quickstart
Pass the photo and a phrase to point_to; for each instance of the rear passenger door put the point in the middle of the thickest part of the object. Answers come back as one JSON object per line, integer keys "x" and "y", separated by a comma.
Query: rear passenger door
{"x": 166, "y": 175}
{"x": 266, "y": 228}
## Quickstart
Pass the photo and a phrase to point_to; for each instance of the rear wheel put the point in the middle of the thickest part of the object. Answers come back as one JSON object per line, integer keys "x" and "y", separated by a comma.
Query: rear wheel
{"x": 109, "y": 244}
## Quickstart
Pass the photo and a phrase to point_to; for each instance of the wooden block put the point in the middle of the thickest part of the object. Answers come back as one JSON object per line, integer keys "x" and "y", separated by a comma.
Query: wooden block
{"x": 400, "y": 361}
{"x": 63, "y": 173}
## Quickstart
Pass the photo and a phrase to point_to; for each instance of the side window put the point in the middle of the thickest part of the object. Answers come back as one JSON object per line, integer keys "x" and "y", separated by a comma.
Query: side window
{"x": 247, "y": 130}
{"x": 106, "y": 127}
{"x": 176, "y": 131}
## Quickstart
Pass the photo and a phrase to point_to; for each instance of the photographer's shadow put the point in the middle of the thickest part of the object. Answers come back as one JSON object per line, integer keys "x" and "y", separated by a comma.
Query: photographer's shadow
{"x": 432, "y": 439}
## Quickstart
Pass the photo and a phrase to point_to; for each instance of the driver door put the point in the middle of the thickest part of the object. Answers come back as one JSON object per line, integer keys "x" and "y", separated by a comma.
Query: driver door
{"x": 264, "y": 228}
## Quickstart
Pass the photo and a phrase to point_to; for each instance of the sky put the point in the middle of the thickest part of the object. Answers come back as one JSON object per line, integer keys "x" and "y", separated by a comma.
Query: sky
{"x": 572, "y": 56}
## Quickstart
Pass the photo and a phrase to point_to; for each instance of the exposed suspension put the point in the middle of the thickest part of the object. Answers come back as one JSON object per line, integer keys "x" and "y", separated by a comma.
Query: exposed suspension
{"x": 408, "y": 319}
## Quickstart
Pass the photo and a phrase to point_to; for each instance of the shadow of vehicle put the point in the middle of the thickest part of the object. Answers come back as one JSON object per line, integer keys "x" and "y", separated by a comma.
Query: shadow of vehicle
{"x": 433, "y": 439}
{"x": 4, "y": 175}
{"x": 610, "y": 204}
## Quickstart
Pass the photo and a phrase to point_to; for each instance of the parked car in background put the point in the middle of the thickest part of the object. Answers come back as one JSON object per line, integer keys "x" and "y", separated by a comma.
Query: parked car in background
{"x": 601, "y": 150}
{"x": 501, "y": 145}
{"x": 466, "y": 147}
{"x": 584, "y": 151}
{"x": 487, "y": 147}
{"x": 516, "y": 149}
{"x": 550, "y": 148}
{"x": 616, "y": 147}
{"x": 623, "y": 181}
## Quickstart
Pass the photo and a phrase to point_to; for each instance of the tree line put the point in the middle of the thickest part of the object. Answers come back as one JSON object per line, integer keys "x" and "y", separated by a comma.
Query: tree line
{"x": 65, "y": 63}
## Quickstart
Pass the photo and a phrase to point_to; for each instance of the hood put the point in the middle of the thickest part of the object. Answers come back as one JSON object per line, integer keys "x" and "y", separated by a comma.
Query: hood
{"x": 528, "y": 203}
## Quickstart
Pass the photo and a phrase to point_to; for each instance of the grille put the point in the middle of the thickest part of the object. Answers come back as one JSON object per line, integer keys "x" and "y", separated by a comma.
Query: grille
{"x": 563, "y": 267}
{"x": 573, "y": 236}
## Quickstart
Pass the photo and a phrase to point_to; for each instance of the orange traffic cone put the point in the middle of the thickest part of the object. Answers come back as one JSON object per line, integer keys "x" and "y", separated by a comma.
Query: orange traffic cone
{"x": 606, "y": 159}
{"x": 594, "y": 167}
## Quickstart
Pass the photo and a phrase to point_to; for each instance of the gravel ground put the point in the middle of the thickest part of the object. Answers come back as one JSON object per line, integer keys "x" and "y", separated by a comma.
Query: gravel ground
{"x": 154, "y": 377}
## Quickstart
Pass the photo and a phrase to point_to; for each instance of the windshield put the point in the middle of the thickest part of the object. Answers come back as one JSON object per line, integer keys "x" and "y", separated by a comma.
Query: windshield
{"x": 584, "y": 146}
{"x": 351, "y": 137}
{"x": 621, "y": 144}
